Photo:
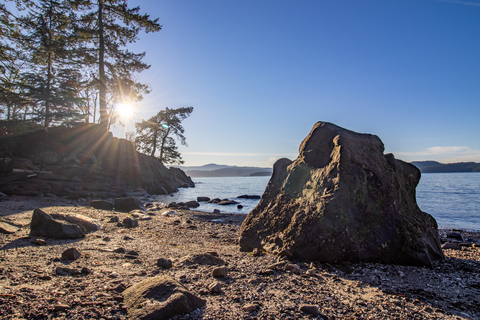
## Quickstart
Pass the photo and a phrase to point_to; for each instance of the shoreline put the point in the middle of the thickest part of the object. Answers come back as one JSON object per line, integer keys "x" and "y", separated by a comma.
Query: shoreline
{"x": 32, "y": 287}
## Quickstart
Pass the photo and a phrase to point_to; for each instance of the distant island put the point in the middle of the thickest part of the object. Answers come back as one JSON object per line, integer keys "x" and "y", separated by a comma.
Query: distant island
{"x": 434, "y": 166}
{"x": 215, "y": 170}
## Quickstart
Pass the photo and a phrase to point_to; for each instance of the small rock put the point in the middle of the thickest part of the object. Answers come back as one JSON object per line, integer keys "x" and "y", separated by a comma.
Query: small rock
{"x": 45, "y": 277}
{"x": 130, "y": 222}
{"x": 267, "y": 272}
{"x": 85, "y": 270}
{"x": 106, "y": 239}
{"x": 202, "y": 199}
{"x": 310, "y": 309}
{"x": 250, "y": 307}
{"x": 239, "y": 206}
{"x": 113, "y": 219}
{"x": 215, "y": 287}
{"x": 127, "y": 238}
{"x": 164, "y": 263}
{"x": 455, "y": 235}
{"x": 285, "y": 253}
{"x": 120, "y": 250}
{"x": 216, "y": 211}
{"x": 39, "y": 242}
{"x": 451, "y": 245}
{"x": 61, "y": 307}
{"x": 219, "y": 272}
{"x": 71, "y": 254}
{"x": 113, "y": 275}
{"x": 6, "y": 228}
{"x": 295, "y": 268}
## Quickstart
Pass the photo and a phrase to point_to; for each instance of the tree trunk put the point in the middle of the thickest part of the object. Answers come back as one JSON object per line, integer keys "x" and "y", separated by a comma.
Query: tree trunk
{"x": 154, "y": 142}
{"x": 162, "y": 146}
{"x": 101, "y": 69}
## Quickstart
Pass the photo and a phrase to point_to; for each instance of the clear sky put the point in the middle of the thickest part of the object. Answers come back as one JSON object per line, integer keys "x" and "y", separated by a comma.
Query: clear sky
{"x": 260, "y": 73}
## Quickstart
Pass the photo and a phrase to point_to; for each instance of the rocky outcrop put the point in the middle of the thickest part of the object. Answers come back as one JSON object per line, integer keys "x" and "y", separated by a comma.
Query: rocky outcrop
{"x": 342, "y": 199}
{"x": 80, "y": 163}
{"x": 159, "y": 297}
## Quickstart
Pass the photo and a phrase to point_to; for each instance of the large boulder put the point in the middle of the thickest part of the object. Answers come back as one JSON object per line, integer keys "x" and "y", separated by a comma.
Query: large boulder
{"x": 44, "y": 225}
{"x": 342, "y": 199}
{"x": 159, "y": 297}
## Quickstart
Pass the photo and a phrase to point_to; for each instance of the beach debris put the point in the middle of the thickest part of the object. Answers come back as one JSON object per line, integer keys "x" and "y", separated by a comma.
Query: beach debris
{"x": 342, "y": 199}
{"x": 160, "y": 297}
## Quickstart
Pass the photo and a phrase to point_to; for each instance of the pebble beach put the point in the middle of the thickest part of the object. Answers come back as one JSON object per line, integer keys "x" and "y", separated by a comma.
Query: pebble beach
{"x": 37, "y": 283}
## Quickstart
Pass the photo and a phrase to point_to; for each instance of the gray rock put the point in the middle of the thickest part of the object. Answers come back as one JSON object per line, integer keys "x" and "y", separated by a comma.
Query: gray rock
{"x": 160, "y": 297}
{"x": 164, "y": 263}
{"x": 310, "y": 309}
{"x": 101, "y": 204}
{"x": 192, "y": 204}
{"x": 43, "y": 225}
{"x": 202, "y": 199}
{"x": 6, "y": 228}
{"x": 219, "y": 272}
{"x": 215, "y": 287}
{"x": 342, "y": 199}
{"x": 128, "y": 204}
{"x": 204, "y": 259}
{"x": 130, "y": 222}
{"x": 71, "y": 254}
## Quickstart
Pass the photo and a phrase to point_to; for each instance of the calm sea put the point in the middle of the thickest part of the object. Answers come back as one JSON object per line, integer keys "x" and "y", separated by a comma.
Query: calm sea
{"x": 453, "y": 199}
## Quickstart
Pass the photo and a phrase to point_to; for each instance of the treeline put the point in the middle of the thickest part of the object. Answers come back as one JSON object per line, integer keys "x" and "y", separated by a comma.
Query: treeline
{"x": 64, "y": 62}
{"x": 433, "y": 166}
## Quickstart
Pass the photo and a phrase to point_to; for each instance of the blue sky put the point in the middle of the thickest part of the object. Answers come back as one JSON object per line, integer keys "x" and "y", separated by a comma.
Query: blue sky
{"x": 259, "y": 74}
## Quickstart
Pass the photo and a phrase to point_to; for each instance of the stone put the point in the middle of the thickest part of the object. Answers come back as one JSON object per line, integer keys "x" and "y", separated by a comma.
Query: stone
{"x": 164, "y": 263}
{"x": 6, "y": 228}
{"x": 120, "y": 250}
{"x": 250, "y": 307}
{"x": 216, "y": 211}
{"x": 159, "y": 297}
{"x": 246, "y": 196}
{"x": 239, "y": 206}
{"x": 203, "y": 199}
{"x": 43, "y": 225}
{"x": 38, "y": 242}
{"x": 128, "y": 204}
{"x": 455, "y": 235}
{"x": 192, "y": 204}
{"x": 227, "y": 202}
{"x": 256, "y": 252}
{"x": 71, "y": 254}
{"x": 219, "y": 272}
{"x": 61, "y": 307}
{"x": 203, "y": 259}
{"x": 90, "y": 225}
{"x": 130, "y": 222}
{"x": 343, "y": 200}
{"x": 101, "y": 204}
{"x": 309, "y": 309}
{"x": 451, "y": 245}
{"x": 215, "y": 287}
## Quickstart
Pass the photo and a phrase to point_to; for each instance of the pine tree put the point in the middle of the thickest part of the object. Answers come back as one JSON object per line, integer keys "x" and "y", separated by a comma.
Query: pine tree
{"x": 54, "y": 77}
{"x": 108, "y": 26}
{"x": 159, "y": 131}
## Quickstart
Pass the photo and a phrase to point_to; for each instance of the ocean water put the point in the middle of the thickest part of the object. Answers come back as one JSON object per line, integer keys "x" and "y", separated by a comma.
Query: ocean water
{"x": 453, "y": 199}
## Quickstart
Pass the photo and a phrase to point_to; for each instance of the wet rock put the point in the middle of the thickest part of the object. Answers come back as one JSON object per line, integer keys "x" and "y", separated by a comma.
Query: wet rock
{"x": 256, "y": 252}
{"x": 160, "y": 297}
{"x": 192, "y": 204}
{"x": 203, "y": 199}
{"x": 120, "y": 250}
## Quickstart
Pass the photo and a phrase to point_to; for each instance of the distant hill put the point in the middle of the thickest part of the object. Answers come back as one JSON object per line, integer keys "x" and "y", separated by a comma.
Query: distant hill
{"x": 434, "y": 166}
{"x": 215, "y": 170}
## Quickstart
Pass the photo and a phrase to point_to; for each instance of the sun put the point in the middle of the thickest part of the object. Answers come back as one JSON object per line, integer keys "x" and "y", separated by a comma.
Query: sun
{"x": 125, "y": 110}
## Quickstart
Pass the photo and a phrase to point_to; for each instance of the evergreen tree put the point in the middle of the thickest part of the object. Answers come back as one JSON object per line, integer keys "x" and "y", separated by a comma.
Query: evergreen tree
{"x": 54, "y": 78}
{"x": 108, "y": 26}
{"x": 159, "y": 132}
